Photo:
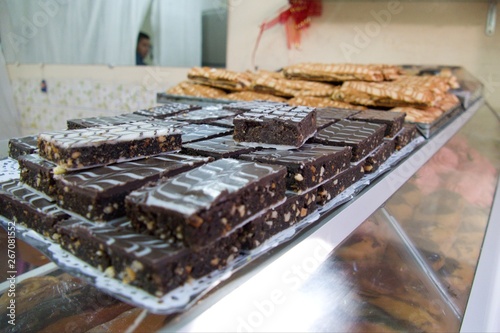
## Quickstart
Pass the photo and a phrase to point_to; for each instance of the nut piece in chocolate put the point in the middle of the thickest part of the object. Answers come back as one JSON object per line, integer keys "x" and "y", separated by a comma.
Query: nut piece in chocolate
{"x": 83, "y": 148}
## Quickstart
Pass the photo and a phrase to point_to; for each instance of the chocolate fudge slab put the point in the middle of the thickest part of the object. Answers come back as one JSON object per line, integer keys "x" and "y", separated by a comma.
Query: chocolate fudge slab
{"x": 245, "y": 106}
{"x": 405, "y": 136}
{"x": 99, "y": 193}
{"x": 38, "y": 173}
{"x": 295, "y": 208}
{"x": 94, "y": 146}
{"x": 23, "y": 146}
{"x": 199, "y": 206}
{"x": 362, "y": 137}
{"x": 198, "y": 132}
{"x": 286, "y": 126}
{"x": 338, "y": 184}
{"x": 328, "y": 116}
{"x": 393, "y": 120}
{"x": 166, "y": 110}
{"x": 376, "y": 158}
{"x": 221, "y": 147}
{"x": 307, "y": 166}
{"x": 206, "y": 114}
{"x": 142, "y": 260}
{"x": 23, "y": 205}
{"x": 104, "y": 121}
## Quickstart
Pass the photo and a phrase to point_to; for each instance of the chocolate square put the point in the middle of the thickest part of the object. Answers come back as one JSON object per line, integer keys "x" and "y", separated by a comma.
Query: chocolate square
{"x": 307, "y": 166}
{"x": 362, "y": 137}
{"x": 285, "y": 126}
{"x": 204, "y": 204}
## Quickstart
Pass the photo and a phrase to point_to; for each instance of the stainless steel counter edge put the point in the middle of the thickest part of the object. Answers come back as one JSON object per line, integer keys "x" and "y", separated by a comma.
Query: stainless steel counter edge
{"x": 481, "y": 314}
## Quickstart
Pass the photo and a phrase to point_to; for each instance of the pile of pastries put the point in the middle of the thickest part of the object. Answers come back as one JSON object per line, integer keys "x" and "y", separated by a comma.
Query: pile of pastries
{"x": 346, "y": 86}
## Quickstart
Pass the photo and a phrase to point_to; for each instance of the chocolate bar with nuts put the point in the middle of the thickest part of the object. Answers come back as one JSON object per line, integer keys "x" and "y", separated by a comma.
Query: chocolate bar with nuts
{"x": 362, "y": 137}
{"x": 166, "y": 110}
{"x": 142, "y": 260}
{"x": 23, "y": 205}
{"x": 208, "y": 113}
{"x": 377, "y": 157}
{"x": 38, "y": 173}
{"x": 285, "y": 126}
{"x": 393, "y": 120}
{"x": 202, "y": 205}
{"x": 105, "y": 121}
{"x": 328, "y": 116}
{"x": 23, "y": 146}
{"x": 404, "y": 136}
{"x": 307, "y": 166}
{"x": 333, "y": 187}
{"x": 94, "y": 146}
{"x": 98, "y": 194}
{"x": 295, "y": 208}
{"x": 199, "y": 132}
{"x": 221, "y": 147}
{"x": 245, "y": 106}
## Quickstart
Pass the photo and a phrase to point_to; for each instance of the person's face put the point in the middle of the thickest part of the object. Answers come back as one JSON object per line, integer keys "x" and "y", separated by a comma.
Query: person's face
{"x": 143, "y": 47}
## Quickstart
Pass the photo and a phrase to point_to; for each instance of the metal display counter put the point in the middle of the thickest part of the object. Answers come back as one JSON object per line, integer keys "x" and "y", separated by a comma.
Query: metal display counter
{"x": 389, "y": 259}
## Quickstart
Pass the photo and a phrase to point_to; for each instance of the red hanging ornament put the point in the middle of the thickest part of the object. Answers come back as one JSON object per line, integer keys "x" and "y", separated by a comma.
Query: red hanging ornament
{"x": 296, "y": 17}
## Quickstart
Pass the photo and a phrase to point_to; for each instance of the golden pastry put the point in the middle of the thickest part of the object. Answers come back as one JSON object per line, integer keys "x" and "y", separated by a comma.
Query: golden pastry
{"x": 221, "y": 78}
{"x": 337, "y": 72}
{"x": 252, "y": 96}
{"x": 187, "y": 88}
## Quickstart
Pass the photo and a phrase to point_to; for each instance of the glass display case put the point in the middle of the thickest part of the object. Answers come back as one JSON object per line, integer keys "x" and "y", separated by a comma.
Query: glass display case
{"x": 414, "y": 251}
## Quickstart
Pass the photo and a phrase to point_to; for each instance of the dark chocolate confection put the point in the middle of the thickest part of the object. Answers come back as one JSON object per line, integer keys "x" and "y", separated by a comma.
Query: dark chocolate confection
{"x": 221, "y": 147}
{"x": 38, "y": 173}
{"x": 393, "y": 120}
{"x": 328, "y": 116}
{"x": 208, "y": 113}
{"x": 23, "y": 205}
{"x": 9, "y": 169}
{"x": 307, "y": 166}
{"x": 202, "y": 205}
{"x": 198, "y": 132}
{"x": 295, "y": 208}
{"x": 23, "y": 146}
{"x": 245, "y": 106}
{"x": 224, "y": 122}
{"x": 375, "y": 159}
{"x": 142, "y": 260}
{"x": 81, "y": 148}
{"x": 362, "y": 137}
{"x": 333, "y": 187}
{"x": 286, "y": 126}
{"x": 405, "y": 135}
{"x": 104, "y": 121}
{"x": 99, "y": 194}
{"x": 166, "y": 110}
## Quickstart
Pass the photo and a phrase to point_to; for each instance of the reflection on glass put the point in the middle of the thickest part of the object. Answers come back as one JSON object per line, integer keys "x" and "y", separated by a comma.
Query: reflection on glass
{"x": 372, "y": 284}
{"x": 444, "y": 208}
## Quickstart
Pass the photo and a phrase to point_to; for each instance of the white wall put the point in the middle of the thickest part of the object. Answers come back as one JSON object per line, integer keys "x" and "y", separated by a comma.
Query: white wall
{"x": 399, "y": 32}
{"x": 84, "y": 91}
